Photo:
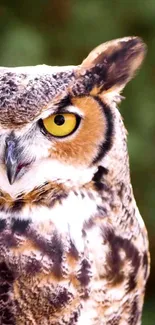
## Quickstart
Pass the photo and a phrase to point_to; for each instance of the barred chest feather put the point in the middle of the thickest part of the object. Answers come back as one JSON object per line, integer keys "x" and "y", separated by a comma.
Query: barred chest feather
{"x": 73, "y": 262}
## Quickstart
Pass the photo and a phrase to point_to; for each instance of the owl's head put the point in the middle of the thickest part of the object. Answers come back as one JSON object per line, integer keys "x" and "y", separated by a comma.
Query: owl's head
{"x": 61, "y": 123}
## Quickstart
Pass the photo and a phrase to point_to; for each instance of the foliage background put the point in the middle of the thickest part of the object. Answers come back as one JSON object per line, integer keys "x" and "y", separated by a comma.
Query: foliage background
{"x": 62, "y": 32}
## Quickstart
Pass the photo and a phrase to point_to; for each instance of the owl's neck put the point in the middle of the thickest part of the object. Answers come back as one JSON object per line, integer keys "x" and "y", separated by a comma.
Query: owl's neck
{"x": 51, "y": 193}
{"x": 67, "y": 207}
{"x": 44, "y": 172}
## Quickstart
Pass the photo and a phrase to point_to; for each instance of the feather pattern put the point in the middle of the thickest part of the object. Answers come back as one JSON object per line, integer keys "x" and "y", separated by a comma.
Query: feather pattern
{"x": 73, "y": 246}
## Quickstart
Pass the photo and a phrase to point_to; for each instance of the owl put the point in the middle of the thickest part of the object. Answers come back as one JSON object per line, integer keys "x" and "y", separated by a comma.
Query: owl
{"x": 73, "y": 246}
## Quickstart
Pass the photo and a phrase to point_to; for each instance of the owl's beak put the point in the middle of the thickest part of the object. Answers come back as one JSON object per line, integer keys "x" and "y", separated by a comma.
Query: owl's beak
{"x": 11, "y": 160}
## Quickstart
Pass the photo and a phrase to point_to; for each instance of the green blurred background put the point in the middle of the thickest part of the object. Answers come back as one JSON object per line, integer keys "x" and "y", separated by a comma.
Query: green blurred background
{"x": 63, "y": 32}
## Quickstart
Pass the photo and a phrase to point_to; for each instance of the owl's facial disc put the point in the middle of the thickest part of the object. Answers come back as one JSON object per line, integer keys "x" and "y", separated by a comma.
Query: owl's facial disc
{"x": 12, "y": 159}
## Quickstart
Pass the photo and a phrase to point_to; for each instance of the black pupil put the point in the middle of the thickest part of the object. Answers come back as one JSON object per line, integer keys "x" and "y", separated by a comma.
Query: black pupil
{"x": 59, "y": 119}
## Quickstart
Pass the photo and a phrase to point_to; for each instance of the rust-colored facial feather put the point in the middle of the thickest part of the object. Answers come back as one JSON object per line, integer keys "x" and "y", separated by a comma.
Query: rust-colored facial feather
{"x": 82, "y": 147}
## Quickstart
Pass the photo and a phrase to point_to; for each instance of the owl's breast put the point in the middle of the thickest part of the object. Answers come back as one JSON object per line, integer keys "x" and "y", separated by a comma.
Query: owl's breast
{"x": 45, "y": 251}
{"x": 56, "y": 259}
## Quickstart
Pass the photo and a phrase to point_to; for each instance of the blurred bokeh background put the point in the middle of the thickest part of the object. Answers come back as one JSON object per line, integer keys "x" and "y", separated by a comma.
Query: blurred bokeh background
{"x": 62, "y": 32}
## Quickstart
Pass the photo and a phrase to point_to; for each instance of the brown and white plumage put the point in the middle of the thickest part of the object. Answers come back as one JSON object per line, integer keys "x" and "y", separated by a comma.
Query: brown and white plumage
{"x": 73, "y": 246}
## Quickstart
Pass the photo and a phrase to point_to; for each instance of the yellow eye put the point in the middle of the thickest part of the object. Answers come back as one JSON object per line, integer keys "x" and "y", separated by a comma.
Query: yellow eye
{"x": 60, "y": 125}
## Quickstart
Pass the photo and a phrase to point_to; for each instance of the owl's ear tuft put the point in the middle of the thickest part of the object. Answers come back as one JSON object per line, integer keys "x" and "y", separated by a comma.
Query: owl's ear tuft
{"x": 114, "y": 63}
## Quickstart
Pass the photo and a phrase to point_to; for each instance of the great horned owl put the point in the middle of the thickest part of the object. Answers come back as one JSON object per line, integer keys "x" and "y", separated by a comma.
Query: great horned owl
{"x": 73, "y": 246}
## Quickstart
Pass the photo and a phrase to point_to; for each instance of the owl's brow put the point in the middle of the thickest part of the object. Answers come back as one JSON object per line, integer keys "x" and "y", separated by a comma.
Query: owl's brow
{"x": 66, "y": 105}
{"x": 64, "y": 102}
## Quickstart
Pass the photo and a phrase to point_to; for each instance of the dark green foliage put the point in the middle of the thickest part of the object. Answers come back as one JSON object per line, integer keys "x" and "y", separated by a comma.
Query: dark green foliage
{"x": 61, "y": 32}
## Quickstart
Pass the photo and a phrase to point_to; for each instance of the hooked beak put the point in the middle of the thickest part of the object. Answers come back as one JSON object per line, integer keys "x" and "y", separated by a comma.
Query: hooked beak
{"x": 11, "y": 159}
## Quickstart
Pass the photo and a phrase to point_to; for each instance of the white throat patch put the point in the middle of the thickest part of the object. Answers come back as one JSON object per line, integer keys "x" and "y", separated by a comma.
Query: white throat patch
{"x": 46, "y": 171}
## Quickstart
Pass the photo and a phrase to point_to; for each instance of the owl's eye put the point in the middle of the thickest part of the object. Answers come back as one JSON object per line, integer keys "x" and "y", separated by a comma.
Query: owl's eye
{"x": 61, "y": 125}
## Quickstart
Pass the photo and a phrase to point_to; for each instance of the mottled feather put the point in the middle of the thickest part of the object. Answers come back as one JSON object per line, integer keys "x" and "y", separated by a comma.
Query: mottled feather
{"x": 73, "y": 246}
